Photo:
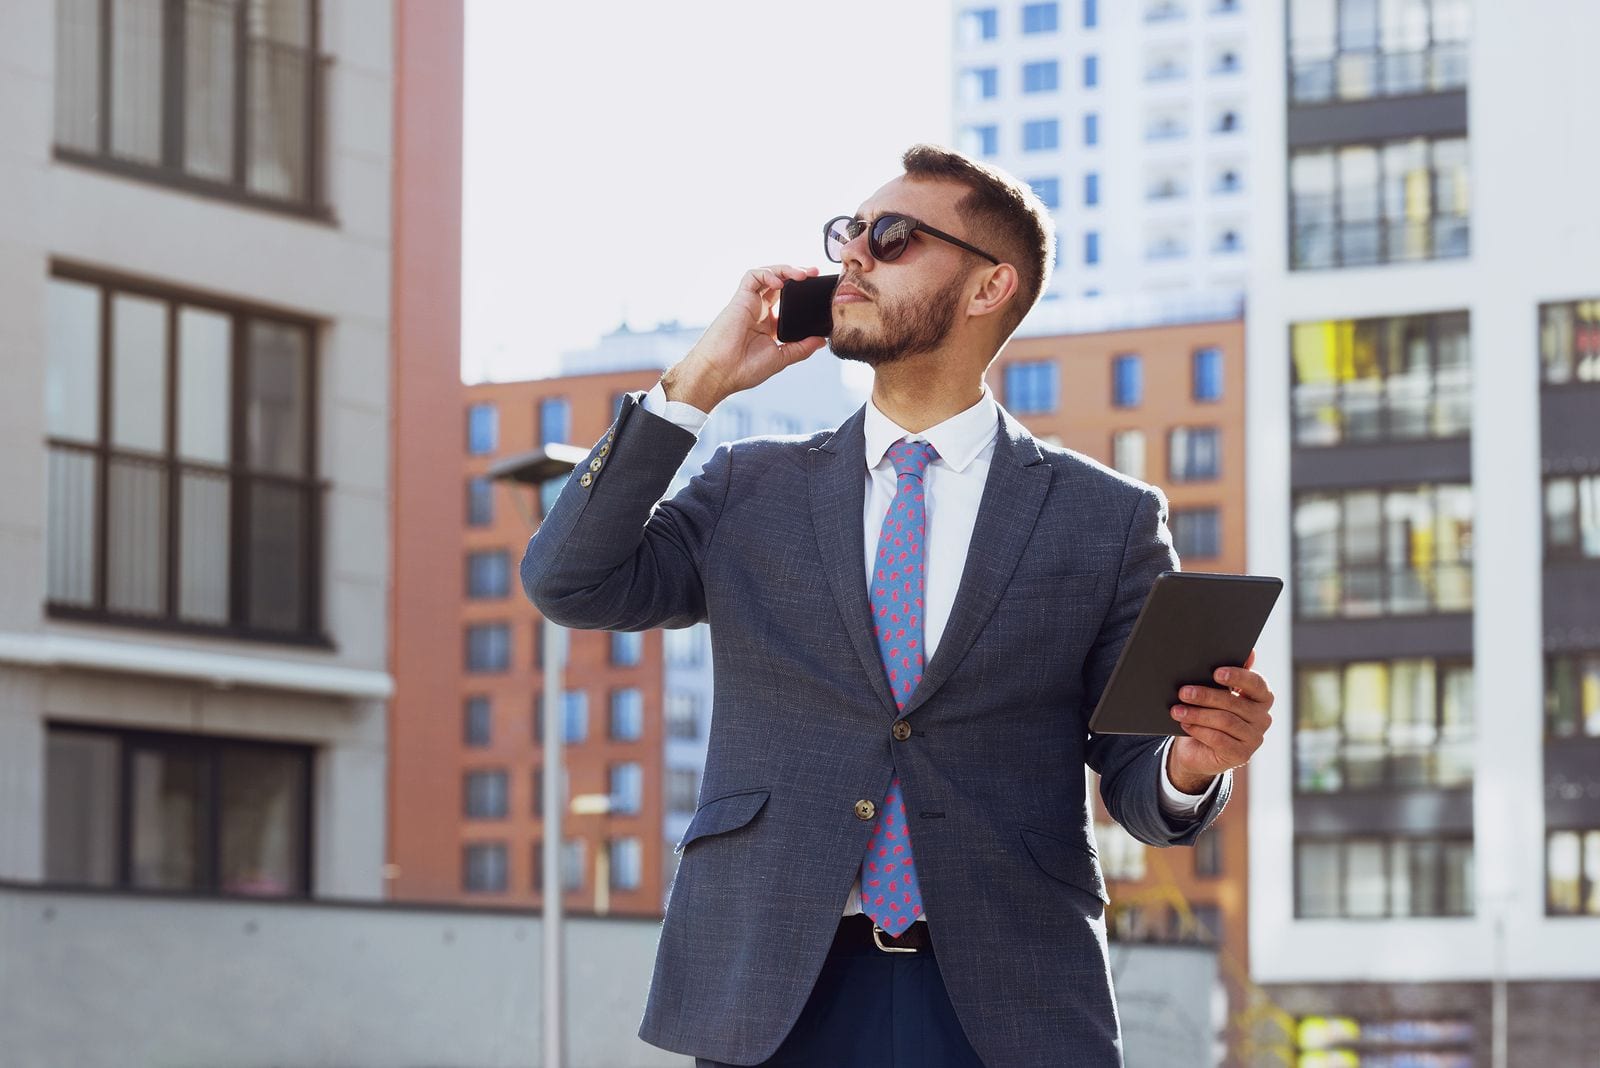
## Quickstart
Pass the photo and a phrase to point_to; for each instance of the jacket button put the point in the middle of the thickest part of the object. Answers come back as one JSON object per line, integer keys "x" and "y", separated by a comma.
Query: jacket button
{"x": 605, "y": 447}
{"x": 901, "y": 731}
{"x": 586, "y": 480}
{"x": 865, "y": 809}
{"x": 596, "y": 464}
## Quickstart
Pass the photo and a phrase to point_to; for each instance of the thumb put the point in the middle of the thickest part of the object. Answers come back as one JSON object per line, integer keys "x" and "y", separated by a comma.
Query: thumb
{"x": 795, "y": 351}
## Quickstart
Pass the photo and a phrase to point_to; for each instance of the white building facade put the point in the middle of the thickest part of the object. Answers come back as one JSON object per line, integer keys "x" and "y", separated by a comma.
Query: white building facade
{"x": 1424, "y": 430}
{"x": 1130, "y": 119}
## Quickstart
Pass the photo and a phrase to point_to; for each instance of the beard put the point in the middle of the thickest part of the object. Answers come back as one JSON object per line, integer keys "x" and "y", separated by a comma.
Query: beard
{"x": 908, "y": 327}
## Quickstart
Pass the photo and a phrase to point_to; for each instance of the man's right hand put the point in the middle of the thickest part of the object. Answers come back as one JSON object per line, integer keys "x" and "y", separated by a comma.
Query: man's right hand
{"x": 740, "y": 349}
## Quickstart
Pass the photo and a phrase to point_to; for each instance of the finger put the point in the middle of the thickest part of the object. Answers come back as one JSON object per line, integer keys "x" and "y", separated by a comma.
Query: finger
{"x": 761, "y": 279}
{"x": 1210, "y": 697}
{"x": 795, "y": 351}
{"x": 1227, "y": 749}
{"x": 1250, "y": 660}
{"x": 1243, "y": 681}
{"x": 1219, "y": 720}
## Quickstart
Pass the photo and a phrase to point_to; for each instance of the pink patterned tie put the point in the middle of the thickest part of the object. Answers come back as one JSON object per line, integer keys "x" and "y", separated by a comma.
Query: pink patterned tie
{"x": 890, "y": 893}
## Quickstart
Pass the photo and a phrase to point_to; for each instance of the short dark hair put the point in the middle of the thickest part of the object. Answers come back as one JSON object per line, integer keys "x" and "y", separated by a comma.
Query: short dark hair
{"x": 999, "y": 209}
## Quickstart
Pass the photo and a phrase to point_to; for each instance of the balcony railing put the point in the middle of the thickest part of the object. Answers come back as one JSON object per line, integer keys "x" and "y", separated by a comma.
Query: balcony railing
{"x": 1356, "y": 591}
{"x": 1348, "y": 231}
{"x": 1400, "y": 408}
{"x": 1328, "y": 762}
{"x": 1364, "y": 75}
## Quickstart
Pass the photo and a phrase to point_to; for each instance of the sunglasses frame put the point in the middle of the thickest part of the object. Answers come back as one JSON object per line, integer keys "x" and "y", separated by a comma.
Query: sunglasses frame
{"x": 872, "y": 236}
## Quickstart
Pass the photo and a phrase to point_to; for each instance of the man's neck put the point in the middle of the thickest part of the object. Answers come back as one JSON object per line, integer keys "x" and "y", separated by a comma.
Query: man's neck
{"x": 924, "y": 391}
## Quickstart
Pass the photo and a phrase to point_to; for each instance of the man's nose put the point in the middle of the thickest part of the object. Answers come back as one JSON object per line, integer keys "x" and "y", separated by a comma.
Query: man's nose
{"x": 855, "y": 252}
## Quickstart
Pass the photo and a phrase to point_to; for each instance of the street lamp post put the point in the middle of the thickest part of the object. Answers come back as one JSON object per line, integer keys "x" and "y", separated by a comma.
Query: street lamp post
{"x": 534, "y": 469}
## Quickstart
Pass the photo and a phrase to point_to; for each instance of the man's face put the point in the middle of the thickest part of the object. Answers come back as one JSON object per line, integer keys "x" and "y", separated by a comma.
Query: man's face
{"x": 884, "y": 312}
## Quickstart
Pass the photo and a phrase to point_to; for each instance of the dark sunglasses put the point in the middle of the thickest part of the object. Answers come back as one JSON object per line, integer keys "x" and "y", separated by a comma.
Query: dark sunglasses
{"x": 887, "y": 239}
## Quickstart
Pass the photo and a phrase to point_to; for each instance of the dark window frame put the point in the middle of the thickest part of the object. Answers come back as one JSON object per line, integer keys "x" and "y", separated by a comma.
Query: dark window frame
{"x": 1343, "y": 914}
{"x": 1586, "y": 886}
{"x": 241, "y": 477}
{"x": 1580, "y": 359}
{"x": 1433, "y": 57}
{"x": 467, "y": 848}
{"x": 1193, "y": 513}
{"x": 1553, "y": 699}
{"x": 210, "y": 748}
{"x": 170, "y": 171}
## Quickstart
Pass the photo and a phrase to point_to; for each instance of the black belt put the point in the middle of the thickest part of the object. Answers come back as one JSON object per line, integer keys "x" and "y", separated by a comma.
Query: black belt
{"x": 857, "y": 931}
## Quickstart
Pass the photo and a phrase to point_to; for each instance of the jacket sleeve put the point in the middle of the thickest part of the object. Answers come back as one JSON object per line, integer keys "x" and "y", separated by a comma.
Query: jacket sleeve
{"x": 1130, "y": 766}
{"x": 611, "y": 554}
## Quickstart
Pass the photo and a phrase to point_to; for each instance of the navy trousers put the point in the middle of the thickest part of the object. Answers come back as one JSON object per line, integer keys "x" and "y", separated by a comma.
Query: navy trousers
{"x": 871, "y": 1009}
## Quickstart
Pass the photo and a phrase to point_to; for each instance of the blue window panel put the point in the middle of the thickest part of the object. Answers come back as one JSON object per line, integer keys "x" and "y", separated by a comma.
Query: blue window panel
{"x": 489, "y": 573}
{"x": 1040, "y": 18}
{"x": 1127, "y": 381}
{"x": 555, "y": 420}
{"x": 1091, "y": 188}
{"x": 1197, "y": 532}
{"x": 1041, "y": 77}
{"x": 480, "y": 502}
{"x": 988, "y": 22}
{"x": 627, "y": 788}
{"x": 626, "y": 647}
{"x": 1091, "y": 14}
{"x": 488, "y": 647}
{"x": 1048, "y": 190}
{"x": 1091, "y": 247}
{"x": 483, "y": 429}
{"x": 987, "y": 138}
{"x": 1041, "y": 135}
{"x": 574, "y": 716}
{"x": 1091, "y": 129}
{"x": 479, "y": 721}
{"x": 1032, "y": 387}
{"x": 988, "y": 79}
{"x": 1208, "y": 374}
{"x": 627, "y": 715}
{"x": 1091, "y": 71}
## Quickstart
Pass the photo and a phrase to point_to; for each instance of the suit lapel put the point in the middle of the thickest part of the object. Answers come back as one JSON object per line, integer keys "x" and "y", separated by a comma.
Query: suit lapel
{"x": 1018, "y": 481}
{"x": 838, "y": 479}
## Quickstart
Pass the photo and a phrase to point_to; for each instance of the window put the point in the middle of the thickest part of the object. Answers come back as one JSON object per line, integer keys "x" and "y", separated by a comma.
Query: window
{"x": 982, "y": 83}
{"x": 489, "y": 647}
{"x": 1572, "y": 518}
{"x": 1378, "y": 878}
{"x": 199, "y": 505}
{"x": 1193, "y": 453}
{"x": 188, "y": 813}
{"x": 1091, "y": 71}
{"x": 1041, "y": 135}
{"x": 1572, "y": 695}
{"x": 1127, "y": 452}
{"x": 627, "y": 715}
{"x": 1039, "y": 18}
{"x": 1207, "y": 920}
{"x": 981, "y": 140}
{"x": 686, "y": 647}
{"x": 981, "y": 23}
{"x": 1383, "y": 724}
{"x": 1572, "y": 873}
{"x": 1091, "y": 189}
{"x": 484, "y": 868}
{"x": 1391, "y": 202}
{"x": 1091, "y": 14}
{"x": 1393, "y": 379}
{"x": 1127, "y": 381}
{"x": 627, "y": 646}
{"x": 555, "y": 421}
{"x": 477, "y": 721}
{"x": 537, "y": 785}
{"x": 627, "y": 863}
{"x": 627, "y": 789}
{"x": 489, "y": 574}
{"x": 1041, "y": 77}
{"x": 1208, "y": 861}
{"x": 1197, "y": 533}
{"x": 1437, "y": 1042}
{"x": 574, "y": 716}
{"x": 1207, "y": 377}
{"x": 1569, "y": 342}
{"x": 1121, "y": 854}
{"x": 683, "y": 715}
{"x": 574, "y": 859}
{"x": 484, "y": 794}
{"x": 1032, "y": 387}
{"x": 1091, "y": 247}
{"x": 220, "y": 98}
{"x": 1402, "y": 551}
{"x": 1091, "y": 129}
{"x": 1048, "y": 190}
{"x": 483, "y": 429}
{"x": 683, "y": 790}
{"x": 480, "y": 502}
{"x": 1350, "y": 50}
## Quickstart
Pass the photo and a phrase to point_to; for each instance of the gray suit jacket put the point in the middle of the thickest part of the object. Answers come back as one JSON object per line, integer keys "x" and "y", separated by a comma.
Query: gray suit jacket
{"x": 767, "y": 544}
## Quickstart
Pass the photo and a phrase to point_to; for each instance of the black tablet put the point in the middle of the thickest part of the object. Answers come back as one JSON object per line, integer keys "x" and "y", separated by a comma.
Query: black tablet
{"x": 1191, "y": 624}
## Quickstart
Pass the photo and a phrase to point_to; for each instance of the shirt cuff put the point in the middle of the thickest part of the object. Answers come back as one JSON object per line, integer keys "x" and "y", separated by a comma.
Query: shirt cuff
{"x": 1174, "y": 802}
{"x": 679, "y": 413}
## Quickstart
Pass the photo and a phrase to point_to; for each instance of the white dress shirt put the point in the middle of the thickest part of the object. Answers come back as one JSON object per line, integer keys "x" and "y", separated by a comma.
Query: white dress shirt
{"x": 952, "y": 486}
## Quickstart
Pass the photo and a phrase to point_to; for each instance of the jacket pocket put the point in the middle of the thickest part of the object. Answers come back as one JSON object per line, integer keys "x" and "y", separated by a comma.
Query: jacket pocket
{"x": 1067, "y": 862}
{"x": 723, "y": 814}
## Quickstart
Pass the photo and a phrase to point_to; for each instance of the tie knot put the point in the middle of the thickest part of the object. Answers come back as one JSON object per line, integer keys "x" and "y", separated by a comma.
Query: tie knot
{"x": 911, "y": 457}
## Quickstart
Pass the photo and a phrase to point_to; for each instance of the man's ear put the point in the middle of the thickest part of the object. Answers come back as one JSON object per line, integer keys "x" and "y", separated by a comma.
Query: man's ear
{"x": 997, "y": 288}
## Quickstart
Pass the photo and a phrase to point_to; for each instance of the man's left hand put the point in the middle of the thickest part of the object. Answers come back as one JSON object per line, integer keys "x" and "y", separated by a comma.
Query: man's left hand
{"x": 1225, "y": 726}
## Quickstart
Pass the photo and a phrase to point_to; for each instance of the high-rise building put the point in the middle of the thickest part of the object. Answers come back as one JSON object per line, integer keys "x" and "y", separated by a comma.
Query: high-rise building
{"x": 1130, "y": 121}
{"x": 1424, "y": 423}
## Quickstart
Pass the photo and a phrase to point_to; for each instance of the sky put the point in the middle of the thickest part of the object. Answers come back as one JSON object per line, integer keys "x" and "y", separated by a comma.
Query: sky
{"x": 627, "y": 161}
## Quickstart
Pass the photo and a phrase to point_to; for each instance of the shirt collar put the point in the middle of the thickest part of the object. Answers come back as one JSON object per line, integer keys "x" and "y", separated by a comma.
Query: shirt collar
{"x": 958, "y": 440}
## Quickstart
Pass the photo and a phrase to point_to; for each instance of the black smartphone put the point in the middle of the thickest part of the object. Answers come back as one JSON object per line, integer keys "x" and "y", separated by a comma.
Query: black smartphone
{"x": 805, "y": 308}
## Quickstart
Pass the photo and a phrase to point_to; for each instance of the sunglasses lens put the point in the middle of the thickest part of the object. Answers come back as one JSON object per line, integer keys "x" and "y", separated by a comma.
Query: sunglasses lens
{"x": 837, "y": 234}
{"x": 890, "y": 235}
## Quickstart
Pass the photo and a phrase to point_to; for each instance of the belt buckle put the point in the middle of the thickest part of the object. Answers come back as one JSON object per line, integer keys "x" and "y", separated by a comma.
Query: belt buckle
{"x": 878, "y": 941}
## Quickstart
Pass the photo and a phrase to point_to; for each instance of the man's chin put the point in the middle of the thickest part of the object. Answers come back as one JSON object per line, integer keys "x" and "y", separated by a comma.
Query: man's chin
{"x": 849, "y": 343}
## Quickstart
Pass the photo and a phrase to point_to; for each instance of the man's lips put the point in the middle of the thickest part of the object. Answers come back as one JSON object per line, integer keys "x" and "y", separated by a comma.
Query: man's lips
{"x": 845, "y": 293}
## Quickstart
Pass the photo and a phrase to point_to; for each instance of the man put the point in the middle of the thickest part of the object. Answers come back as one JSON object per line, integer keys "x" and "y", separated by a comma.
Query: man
{"x": 912, "y": 618}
